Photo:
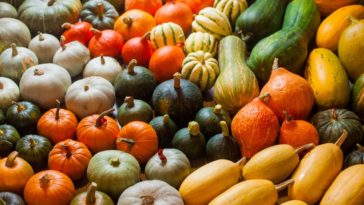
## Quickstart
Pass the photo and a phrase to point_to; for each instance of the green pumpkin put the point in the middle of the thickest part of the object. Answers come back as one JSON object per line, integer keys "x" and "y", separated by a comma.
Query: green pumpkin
{"x": 2, "y": 117}
{"x": 11, "y": 199}
{"x": 134, "y": 110}
{"x": 13, "y": 31}
{"x": 9, "y": 136}
{"x": 223, "y": 146}
{"x": 7, "y": 10}
{"x": 91, "y": 196}
{"x": 165, "y": 129}
{"x": 209, "y": 120}
{"x": 355, "y": 157}
{"x": 101, "y": 14}
{"x": 113, "y": 171}
{"x": 190, "y": 140}
{"x": 23, "y": 116}
{"x": 331, "y": 123}
{"x": 34, "y": 149}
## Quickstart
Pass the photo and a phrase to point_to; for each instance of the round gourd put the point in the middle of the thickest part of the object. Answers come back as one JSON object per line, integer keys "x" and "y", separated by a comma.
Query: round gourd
{"x": 7, "y": 11}
{"x": 106, "y": 42}
{"x": 9, "y": 136}
{"x": 9, "y": 92}
{"x": 200, "y": 41}
{"x": 44, "y": 84}
{"x": 134, "y": 110}
{"x": 91, "y": 196}
{"x": 357, "y": 105}
{"x": 11, "y": 198}
{"x": 101, "y": 14}
{"x": 355, "y": 157}
{"x": 168, "y": 165}
{"x": 166, "y": 34}
{"x": 231, "y": 8}
{"x": 165, "y": 128}
{"x": 13, "y": 31}
{"x": 80, "y": 31}
{"x": 44, "y": 46}
{"x": 23, "y": 116}
{"x": 106, "y": 67}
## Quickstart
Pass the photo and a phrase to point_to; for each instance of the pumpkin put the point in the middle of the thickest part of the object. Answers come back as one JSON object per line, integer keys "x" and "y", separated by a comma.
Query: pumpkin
{"x": 356, "y": 95}
{"x": 197, "y": 41}
{"x": 15, "y": 60}
{"x": 150, "y": 6}
{"x": 80, "y": 31}
{"x": 15, "y": 172}
{"x": 169, "y": 165}
{"x": 9, "y": 92}
{"x": 328, "y": 6}
{"x": 165, "y": 128}
{"x": 44, "y": 84}
{"x": 101, "y": 14}
{"x": 70, "y": 157}
{"x": 106, "y": 67}
{"x": 150, "y": 192}
{"x": 7, "y": 10}
{"x": 113, "y": 171}
{"x": 44, "y": 46}
{"x": 13, "y": 31}
{"x": 98, "y": 132}
{"x": 139, "y": 139}
{"x": 255, "y": 127}
{"x": 106, "y": 42}
{"x": 138, "y": 48}
{"x": 167, "y": 34}
{"x": 136, "y": 81}
{"x": 331, "y": 123}
{"x": 15, "y": 3}
{"x": 9, "y": 136}
{"x": 91, "y": 89}
{"x": 231, "y": 8}
{"x": 91, "y": 196}
{"x": 134, "y": 110}
{"x": 355, "y": 157}
{"x": 23, "y": 116}
{"x": 34, "y": 149}
{"x": 134, "y": 23}
{"x": 11, "y": 198}
{"x": 49, "y": 187}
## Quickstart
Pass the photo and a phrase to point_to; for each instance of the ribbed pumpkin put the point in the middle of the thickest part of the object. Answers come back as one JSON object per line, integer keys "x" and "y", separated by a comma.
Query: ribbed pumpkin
{"x": 101, "y": 14}
{"x": 355, "y": 157}
{"x": 23, "y": 116}
{"x": 326, "y": 7}
{"x": 13, "y": 31}
{"x": 9, "y": 136}
{"x": 197, "y": 41}
{"x": 91, "y": 196}
{"x": 134, "y": 110}
{"x": 231, "y": 8}
{"x": 9, "y": 92}
{"x": 165, "y": 128}
{"x": 34, "y": 149}
{"x": 138, "y": 48}
{"x": 11, "y": 198}
{"x": 106, "y": 42}
{"x": 166, "y": 34}
{"x": 150, "y": 6}
{"x": 80, "y": 31}
{"x": 103, "y": 66}
{"x": 44, "y": 46}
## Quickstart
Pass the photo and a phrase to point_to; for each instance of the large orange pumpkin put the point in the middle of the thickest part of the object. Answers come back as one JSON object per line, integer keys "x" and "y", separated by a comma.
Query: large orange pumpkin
{"x": 70, "y": 157}
{"x": 80, "y": 31}
{"x": 106, "y": 43}
{"x": 49, "y": 187}
{"x": 139, "y": 139}
{"x": 98, "y": 132}
{"x": 326, "y": 7}
{"x": 150, "y": 6}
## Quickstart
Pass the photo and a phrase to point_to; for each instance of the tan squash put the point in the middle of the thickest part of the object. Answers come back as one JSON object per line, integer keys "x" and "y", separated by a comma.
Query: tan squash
{"x": 294, "y": 202}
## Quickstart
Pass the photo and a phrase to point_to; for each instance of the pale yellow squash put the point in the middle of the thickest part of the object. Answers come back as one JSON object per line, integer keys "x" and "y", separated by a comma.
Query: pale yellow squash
{"x": 294, "y": 202}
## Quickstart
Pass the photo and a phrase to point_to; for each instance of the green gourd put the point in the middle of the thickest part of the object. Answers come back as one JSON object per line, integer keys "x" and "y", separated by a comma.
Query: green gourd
{"x": 165, "y": 128}
{"x": 9, "y": 136}
{"x": 134, "y": 110}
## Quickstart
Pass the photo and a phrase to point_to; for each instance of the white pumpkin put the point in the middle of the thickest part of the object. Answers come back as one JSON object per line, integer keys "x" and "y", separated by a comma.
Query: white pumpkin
{"x": 44, "y": 46}
{"x": 89, "y": 96}
{"x": 103, "y": 66}
{"x": 9, "y": 92}
{"x": 73, "y": 56}
{"x": 154, "y": 192}
{"x": 44, "y": 84}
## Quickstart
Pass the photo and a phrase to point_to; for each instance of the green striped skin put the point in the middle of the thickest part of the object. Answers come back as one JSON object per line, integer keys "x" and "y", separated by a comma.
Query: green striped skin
{"x": 24, "y": 118}
{"x": 201, "y": 41}
{"x": 236, "y": 84}
{"x": 358, "y": 97}
{"x": 231, "y": 8}
{"x": 167, "y": 34}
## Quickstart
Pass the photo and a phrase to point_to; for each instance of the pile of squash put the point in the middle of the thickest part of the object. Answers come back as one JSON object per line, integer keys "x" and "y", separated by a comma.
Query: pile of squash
{"x": 196, "y": 102}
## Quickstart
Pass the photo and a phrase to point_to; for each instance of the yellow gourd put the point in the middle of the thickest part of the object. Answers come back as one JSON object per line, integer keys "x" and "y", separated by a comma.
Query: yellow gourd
{"x": 294, "y": 202}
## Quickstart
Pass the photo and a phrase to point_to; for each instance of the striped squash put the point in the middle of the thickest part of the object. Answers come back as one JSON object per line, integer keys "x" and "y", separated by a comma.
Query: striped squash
{"x": 166, "y": 34}
{"x": 201, "y": 41}
{"x": 201, "y": 69}
{"x": 231, "y": 8}
{"x": 210, "y": 20}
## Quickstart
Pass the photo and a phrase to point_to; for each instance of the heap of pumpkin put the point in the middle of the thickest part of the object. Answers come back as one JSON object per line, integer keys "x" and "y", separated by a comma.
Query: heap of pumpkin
{"x": 102, "y": 92}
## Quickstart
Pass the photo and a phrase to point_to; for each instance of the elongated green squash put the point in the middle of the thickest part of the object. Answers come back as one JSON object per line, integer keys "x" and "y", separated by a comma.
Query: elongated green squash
{"x": 236, "y": 84}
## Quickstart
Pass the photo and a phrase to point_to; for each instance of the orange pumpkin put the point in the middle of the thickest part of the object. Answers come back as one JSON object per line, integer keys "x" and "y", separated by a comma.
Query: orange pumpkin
{"x": 57, "y": 124}
{"x": 80, "y": 31}
{"x": 198, "y": 5}
{"x": 14, "y": 173}
{"x": 106, "y": 43}
{"x": 150, "y": 6}
{"x": 138, "y": 48}
{"x": 326, "y": 7}
{"x": 139, "y": 139}
{"x": 49, "y": 187}
{"x": 98, "y": 132}
{"x": 70, "y": 157}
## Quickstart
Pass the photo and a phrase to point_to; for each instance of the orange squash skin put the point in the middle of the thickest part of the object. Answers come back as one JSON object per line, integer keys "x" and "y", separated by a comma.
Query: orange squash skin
{"x": 150, "y": 6}
{"x": 326, "y": 7}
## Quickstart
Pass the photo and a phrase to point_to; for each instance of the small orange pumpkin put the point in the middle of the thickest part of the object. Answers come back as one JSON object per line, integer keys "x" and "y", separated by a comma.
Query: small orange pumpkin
{"x": 150, "y": 6}
{"x": 138, "y": 48}
{"x": 80, "y": 31}
{"x": 49, "y": 187}
{"x": 139, "y": 139}
{"x": 106, "y": 43}
{"x": 70, "y": 157}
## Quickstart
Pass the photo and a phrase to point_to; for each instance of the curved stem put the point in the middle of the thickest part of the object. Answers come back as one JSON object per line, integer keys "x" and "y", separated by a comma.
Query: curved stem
{"x": 304, "y": 147}
{"x": 131, "y": 66}
{"x": 62, "y": 40}
{"x": 44, "y": 181}
{"x": 224, "y": 128}
{"x": 101, "y": 120}
{"x": 342, "y": 138}
{"x": 40, "y": 36}
{"x": 194, "y": 128}
{"x": 217, "y": 109}
{"x": 353, "y": 20}
{"x": 287, "y": 117}
{"x": 146, "y": 36}
{"x": 2, "y": 202}
{"x": 68, "y": 150}
{"x": 14, "y": 50}
{"x": 91, "y": 193}
{"x": 129, "y": 100}
{"x": 265, "y": 98}
{"x": 58, "y": 109}
{"x": 165, "y": 119}
{"x": 161, "y": 156}
{"x": 100, "y": 10}
{"x": 96, "y": 31}
{"x": 177, "y": 80}
{"x": 283, "y": 185}
{"x": 275, "y": 64}
{"x": 147, "y": 200}
{"x": 128, "y": 21}
{"x": 334, "y": 115}
{"x": 241, "y": 161}
{"x": 51, "y": 2}
{"x": 11, "y": 158}
{"x": 32, "y": 142}
{"x": 66, "y": 26}
{"x": 102, "y": 60}
{"x": 361, "y": 148}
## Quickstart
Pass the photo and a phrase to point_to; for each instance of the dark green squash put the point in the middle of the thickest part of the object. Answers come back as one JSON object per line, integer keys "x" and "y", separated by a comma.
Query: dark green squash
{"x": 357, "y": 97}
{"x": 11, "y": 198}
{"x": 355, "y": 157}
{"x": 165, "y": 129}
{"x": 91, "y": 196}
{"x": 34, "y": 149}
{"x": 23, "y": 116}
{"x": 223, "y": 146}
{"x": 179, "y": 98}
{"x": 9, "y": 136}
{"x": 190, "y": 140}
{"x": 134, "y": 110}
{"x": 209, "y": 120}
{"x": 331, "y": 123}
{"x": 101, "y": 14}
{"x": 2, "y": 117}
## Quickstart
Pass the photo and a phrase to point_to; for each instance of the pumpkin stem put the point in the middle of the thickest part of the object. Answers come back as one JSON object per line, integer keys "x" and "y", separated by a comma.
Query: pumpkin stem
{"x": 304, "y": 147}
{"x": 177, "y": 80}
{"x": 146, "y": 36}
{"x": 14, "y": 50}
{"x": 32, "y": 142}
{"x": 102, "y": 60}
{"x": 115, "y": 162}
{"x": 51, "y": 2}
{"x": 353, "y": 20}
{"x": 100, "y": 10}
{"x": 101, "y": 120}
{"x": 283, "y": 185}
{"x": 161, "y": 156}
{"x": 165, "y": 119}
{"x": 247, "y": 36}
{"x": 2, "y": 202}
{"x": 41, "y": 36}
{"x": 44, "y": 181}
{"x": 194, "y": 128}
{"x": 287, "y": 117}
{"x": 66, "y": 26}
{"x": 62, "y": 40}
{"x": 241, "y": 161}
{"x": 129, "y": 100}
{"x": 334, "y": 115}
{"x": 361, "y": 148}
{"x": 58, "y": 109}
{"x": 342, "y": 138}
{"x": 180, "y": 42}
{"x": 86, "y": 88}
{"x": 275, "y": 64}
{"x": 131, "y": 66}
{"x": 19, "y": 107}
{"x": 11, "y": 158}
{"x": 96, "y": 31}
{"x": 147, "y": 200}
{"x": 128, "y": 21}
{"x": 265, "y": 98}
{"x": 224, "y": 128}
{"x": 38, "y": 72}
{"x": 68, "y": 150}
{"x": 217, "y": 109}
{"x": 91, "y": 193}
{"x": 130, "y": 142}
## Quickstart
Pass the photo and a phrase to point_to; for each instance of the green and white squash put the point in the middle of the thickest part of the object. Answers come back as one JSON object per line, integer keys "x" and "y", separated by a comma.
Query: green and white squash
{"x": 13, "y": 31}
{"x": 101, "y": 14}
{"x": 210, "y": 20}
{"x": 231, "y": 8}
{"x": 166, "y": 34}
{"x": 201, "y": 69}
{"x": 44, "y": 46}
{"x": 7, "y": 10}
{"x": 9, "y": 136}
{"x": 103, "y": 66}
{"x": 197, "y": 41}
{"x": 9, "y": 92}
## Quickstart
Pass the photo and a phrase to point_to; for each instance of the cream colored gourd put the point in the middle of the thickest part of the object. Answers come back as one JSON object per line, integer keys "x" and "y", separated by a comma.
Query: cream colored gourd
{"x": 231, "y": 8}
{"x": 294, "y": 202}
{"x": 9, "y": 92}
{"x": 150, "y": 192}
{"x": 167, "y": 34}
{"x": 89, "y": 96}
{"x": 44, "y": 46}
{"x": 199, "y": 41}
{"x": 44, "y": 84}
{"x": 103, "y": 66}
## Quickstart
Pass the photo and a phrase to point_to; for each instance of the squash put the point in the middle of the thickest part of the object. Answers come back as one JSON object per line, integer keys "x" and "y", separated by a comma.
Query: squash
{"x": 15, "y": 3}
{"x": 316, "y": 171}
{"x": 169, "y": 165}
{"x": 2, "y": 117}
{"x": 34, "y": 149}
{"x": 138, "y": 48}
{"x": 150, "y": 192}
{"x": 165, "y": 128}
{"x": 167, "y": 34}
{"x": 101, "y": 14}
{"x": 236, "y": 84}
{"x": 49, "y": 187}
{"x": 355, "y": 157}
{"x": 197, "y": 41}
{"x": 80, "y": 31}
{"x": 328, "y": 6}
{"x": 91, "y": 89}
{"x": 13, "y": 31}
{"x": 11, "y": 198}
{"x": 44, "y": 84}
{"x": 139, "y": 139}
{"x": 294, "y": 202}
{"x": 150, "y": 6}
{"x": 15, "y": 60}
{"x": 48, "y": 16}
{"x": 106, "y": 43}
{"x": 70, "y": 157}
{"x": 7, "y": 11}
{"x": 113, "y": 171}
{"x": 91, "y": 196}
{"x": 203, "y": 180}
{"x": 9, "y": 136}
{"x": 9, "y": 92}
{"x": 44, "y": 46}
{"x": 357, "y": 105}
{"x": 118, "y": 4}
{"x": 232, "y": 9}
{"x": 15, "y": 172}
{"x": 106, "y": 67}
{"x": 134, "y": 110}
{"x": 23, "y": 116}
{"x": 328, "y": 79}
{"x": 200, "y": 68}
{"x": 330, "y": 29}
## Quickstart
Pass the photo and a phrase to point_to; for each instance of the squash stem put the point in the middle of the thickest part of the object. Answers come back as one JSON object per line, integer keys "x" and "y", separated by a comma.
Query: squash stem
{"x": 14, "y": 50}
{"x": 101, "y": 120}
{"x": 41, "y": 36}
{"x": 115, "y": 162}
{"x": 181, "y": 41}
{"x": 241, "y": 161}
{"x": 353, "y": 20}
{"x": 91, "y": 193}
{"x": 18, "y": 106}
{"x": 224, "y": 128}
{"x": 283, "y": 185}
{"x": 131, "y": 66}
{"x": 217, "y": 109}
{"x": 129, "y": 100}
{"x": 287, "y": 117}
{"x": 128, "y": 21}
{"x": 44, "y": 181}
{"x": 2, "y": 202}
{"x": 334, "y": 115}
{"x": 100, "y": 10}
{"x": 265, "y": 98}
{"x": 361, "y": 148}
{"x": 68, "y": 150}
{"x": 32, "y": 142}
{"x": 66, "y": 26}
{"x": 161, "y": 156}
{"x": 275, "y": 64}
{"x": 165, "y": 119}
{"x": 62, "y": 42}
{"x": 304, "y": 147}
{"x": 86, "y": 88}
{"x": 58, "y": 109}
{"x": 38, "y": 72}
{"x": 177, "y": 80}
{"x": 51, "y": 2}
{"x": 102, "y": 60}
{"x": 147, "y": 200}
{"x": 342, "y": 138}
{"x": 96, "y": 31}
{"x": 11, "y": 158}
{"x": 146, "y": 36}
{"x": 194, "y": 128}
